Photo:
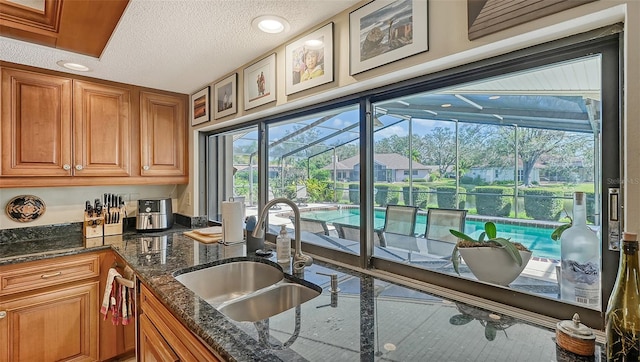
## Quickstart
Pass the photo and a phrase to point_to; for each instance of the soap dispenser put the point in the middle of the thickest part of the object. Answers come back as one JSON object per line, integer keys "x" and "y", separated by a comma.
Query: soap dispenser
{"x": 283, "y": 246}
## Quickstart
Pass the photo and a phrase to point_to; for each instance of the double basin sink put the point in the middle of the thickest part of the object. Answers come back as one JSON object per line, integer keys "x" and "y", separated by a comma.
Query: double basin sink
{"x": 247, "y": 290}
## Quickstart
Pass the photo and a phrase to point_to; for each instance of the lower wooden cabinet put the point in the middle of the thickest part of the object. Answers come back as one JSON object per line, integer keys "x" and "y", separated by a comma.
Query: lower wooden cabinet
{"x": 50, "y": 311}
{"x": 51, "y": 325}
{"x": 152, "y": 346}
{"x": 164, "y": 338}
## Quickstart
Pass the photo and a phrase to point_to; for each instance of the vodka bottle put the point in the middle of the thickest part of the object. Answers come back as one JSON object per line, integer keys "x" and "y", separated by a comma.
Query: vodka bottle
{"x": 580, "y": 253}
{"x": 623, "y": 310}
{"x": 283, "y": 246}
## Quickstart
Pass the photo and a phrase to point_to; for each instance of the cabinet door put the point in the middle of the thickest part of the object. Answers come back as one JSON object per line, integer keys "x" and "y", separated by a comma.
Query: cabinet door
{"x": 152, "y": 346}
{"x": 101, "y": 130}
{"x": 162, "y": 135}
{"x": 36, "y": 124}
{"x": 51, "y": 326}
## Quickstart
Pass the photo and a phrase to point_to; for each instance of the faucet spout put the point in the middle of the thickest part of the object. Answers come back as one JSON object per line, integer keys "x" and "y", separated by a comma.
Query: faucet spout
{"x": 258, "y": 232}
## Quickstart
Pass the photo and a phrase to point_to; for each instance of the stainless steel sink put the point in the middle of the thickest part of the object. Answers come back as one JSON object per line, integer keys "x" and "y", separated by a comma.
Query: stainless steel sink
{"x": 246, "y": 290}
{"x": 268, "y": 302}
{"x": 220, "y": 283}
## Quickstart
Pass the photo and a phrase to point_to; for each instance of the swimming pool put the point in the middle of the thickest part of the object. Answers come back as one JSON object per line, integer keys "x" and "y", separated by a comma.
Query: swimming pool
{"x": 536, "y": 238}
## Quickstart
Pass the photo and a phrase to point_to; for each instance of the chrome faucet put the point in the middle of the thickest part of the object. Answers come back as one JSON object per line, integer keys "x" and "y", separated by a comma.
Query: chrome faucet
{"x": 258, "y": 232}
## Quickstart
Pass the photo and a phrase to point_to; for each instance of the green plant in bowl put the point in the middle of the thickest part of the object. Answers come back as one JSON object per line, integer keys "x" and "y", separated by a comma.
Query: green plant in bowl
{"x": 488, "y": 238}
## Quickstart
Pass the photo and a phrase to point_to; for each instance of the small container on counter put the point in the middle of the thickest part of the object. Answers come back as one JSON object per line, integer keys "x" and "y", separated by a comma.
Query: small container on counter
{"x": 574, "y": 341}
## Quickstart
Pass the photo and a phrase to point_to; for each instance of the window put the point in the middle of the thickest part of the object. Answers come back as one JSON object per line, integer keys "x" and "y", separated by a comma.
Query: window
{"x": 508, "y": 141}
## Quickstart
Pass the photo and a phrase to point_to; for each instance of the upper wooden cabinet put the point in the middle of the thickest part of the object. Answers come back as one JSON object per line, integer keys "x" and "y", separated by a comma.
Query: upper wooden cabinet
{"x": 74, "y": 131}
{"x": 162, "y": 135}
{"x": 102, "y": 128}
{"x": 36, "y": 124}
{"x": 40, "y": 137}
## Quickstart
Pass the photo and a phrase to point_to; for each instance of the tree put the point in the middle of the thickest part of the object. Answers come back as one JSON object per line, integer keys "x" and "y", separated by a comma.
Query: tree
{"x": 533, "y": 143}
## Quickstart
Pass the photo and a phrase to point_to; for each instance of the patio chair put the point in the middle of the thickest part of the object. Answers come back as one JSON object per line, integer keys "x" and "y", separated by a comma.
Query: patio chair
{"x": 352, "y": 232}
{"x": 301, "y": 195}
{"x": 399, "y": 219}
{"x": 439, "y": 221}
{"x": 312, "y": 225}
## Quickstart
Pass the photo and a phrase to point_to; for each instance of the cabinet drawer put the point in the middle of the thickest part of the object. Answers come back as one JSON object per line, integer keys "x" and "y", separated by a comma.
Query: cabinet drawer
{"x": 44, "y": 273}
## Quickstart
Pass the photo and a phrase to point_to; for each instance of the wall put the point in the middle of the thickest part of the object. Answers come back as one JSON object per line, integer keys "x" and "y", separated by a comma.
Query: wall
{"x": 450, "y": 47}
{"x": 66, "y": 204}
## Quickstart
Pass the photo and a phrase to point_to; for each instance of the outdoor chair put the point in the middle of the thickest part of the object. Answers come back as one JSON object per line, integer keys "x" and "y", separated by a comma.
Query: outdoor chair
{"x": 312, "y": 225}
{"x": 352, "y": 232}
{"x": 301, "y": 195}
{"x": 399, "y": 222}
{"x": 439, "y": 221}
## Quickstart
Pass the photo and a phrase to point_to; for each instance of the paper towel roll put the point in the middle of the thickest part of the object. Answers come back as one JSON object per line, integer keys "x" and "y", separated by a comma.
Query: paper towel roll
{"x": 232, "y": 222}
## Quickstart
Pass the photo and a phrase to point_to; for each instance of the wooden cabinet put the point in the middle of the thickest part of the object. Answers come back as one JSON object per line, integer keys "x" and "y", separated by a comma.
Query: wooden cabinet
{"x": 64, "y": 130}
{"x": 51, "y": 325}
{"x": 162, "y": 135}
{"x": 36, "y": 124}
{"x": 102, "y": 129}
{"x": 43, "y": 136}
{"x": 49, "y": 310}
{"x": 164, "y": 338}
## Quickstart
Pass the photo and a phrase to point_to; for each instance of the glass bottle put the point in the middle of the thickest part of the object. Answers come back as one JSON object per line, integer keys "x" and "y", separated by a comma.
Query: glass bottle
{"x": 283, "y": 246}
{"x": 580, "y": 253}
{"x": 623, "y": 311}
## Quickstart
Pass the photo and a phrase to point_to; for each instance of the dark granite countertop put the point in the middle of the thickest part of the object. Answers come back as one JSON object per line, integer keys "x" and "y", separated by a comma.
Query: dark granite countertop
{"x": 372, "y": 319}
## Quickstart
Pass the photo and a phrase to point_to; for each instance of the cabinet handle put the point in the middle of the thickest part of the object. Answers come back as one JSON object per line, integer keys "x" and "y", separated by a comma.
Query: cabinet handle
{"x": 3, "y": 314}
{"x": 78, "y": 167}
{"x": 66, "y": 167}
{"x": 46, "y": 276}
{"x": 145, "y": 167}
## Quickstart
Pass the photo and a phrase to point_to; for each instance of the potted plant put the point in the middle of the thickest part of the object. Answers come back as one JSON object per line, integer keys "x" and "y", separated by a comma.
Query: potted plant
{"x": 490, "y": 258}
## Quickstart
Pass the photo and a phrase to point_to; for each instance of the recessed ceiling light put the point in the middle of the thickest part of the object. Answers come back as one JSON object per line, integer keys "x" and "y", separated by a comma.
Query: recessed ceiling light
{"x": 73, "y": 66}
{"x": 494, "y": 97}
{"x": 270, "y": 24}
{"x": 446, "y": 105}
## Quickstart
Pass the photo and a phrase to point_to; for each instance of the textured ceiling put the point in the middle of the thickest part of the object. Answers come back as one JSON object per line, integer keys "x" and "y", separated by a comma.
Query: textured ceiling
{"x": 182, "y": 45}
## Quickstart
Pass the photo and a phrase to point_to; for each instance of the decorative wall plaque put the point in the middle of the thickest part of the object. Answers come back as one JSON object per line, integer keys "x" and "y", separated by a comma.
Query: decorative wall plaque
{"x": 25, "y": 208}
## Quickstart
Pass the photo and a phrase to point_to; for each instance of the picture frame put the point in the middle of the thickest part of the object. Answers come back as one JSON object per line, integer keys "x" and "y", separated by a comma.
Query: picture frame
{"x": 200, "y": 108}
{"x": 316, "y": 49}
{"x": 225, "y": 94}
{"x": 382, "y": 32}
{"x": 260, "y": 82}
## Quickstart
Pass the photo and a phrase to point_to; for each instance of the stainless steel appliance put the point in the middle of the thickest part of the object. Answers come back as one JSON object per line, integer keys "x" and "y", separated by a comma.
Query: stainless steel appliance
{"x": 154, "y": 214}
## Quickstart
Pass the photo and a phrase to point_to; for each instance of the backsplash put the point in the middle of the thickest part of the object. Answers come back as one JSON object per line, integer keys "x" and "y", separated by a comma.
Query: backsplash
{"x": 75, "y": 229}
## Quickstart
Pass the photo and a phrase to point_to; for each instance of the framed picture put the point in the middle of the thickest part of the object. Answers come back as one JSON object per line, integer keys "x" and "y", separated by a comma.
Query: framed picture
{"x": 200, "y": 107}
{"x": 260, "y": 82}
{"x": 382, "y": 32}
{"x": 309, "y": 61}
{"x": 225, "y": 94}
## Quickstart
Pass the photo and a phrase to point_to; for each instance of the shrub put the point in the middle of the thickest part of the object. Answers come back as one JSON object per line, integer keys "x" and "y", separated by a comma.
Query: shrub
{"x": 420, "y": 195}
{"x": 354, "y": 193}
{"x": 493, "y": 200}
{"x": 446, "y": 196}
{"x": 387, "y": 194}
{"x": 543, "y": 204}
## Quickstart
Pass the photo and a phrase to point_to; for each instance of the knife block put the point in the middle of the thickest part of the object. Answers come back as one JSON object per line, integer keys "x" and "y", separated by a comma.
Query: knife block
{"x": 92, "y": 226}
{"x": 114, "y": 228}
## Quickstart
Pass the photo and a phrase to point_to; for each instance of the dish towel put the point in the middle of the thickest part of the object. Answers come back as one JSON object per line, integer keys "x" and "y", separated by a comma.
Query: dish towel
{"x": 117, "y": 300}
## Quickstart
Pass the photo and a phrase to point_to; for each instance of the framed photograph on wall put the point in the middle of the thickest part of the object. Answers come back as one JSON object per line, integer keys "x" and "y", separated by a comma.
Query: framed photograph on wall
{"x": 260, "y": 82}
{"x": 309, "y": 60}
{"x": 382, "y": 32}
{"x": 225, "y": 94}
{"x": 200, "y": 107}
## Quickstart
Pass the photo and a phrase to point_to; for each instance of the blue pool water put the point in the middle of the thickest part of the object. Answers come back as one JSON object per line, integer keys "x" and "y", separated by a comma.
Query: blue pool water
{"x": 537, "y": 239}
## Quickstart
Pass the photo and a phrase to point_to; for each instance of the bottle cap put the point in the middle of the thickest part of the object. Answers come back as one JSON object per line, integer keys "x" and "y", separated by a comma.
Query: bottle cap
{"x": 629, "y": 236}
